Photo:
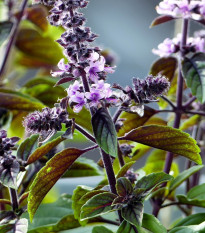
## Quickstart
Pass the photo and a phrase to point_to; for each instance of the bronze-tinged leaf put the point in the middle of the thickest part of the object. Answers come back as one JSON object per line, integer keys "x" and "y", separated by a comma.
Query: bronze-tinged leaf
{"x": 49, "y": 175}
{"x": 37, "y": 15}
{"x": 16, "y": 101}
{"x": 133, "y": 120}
{"x": 44, "y": 149}
{"x": 166, "y": 138}
{"x": 161, "y": 19}
{"x": 38, "y": 48}
{"x": 165, "y": 66}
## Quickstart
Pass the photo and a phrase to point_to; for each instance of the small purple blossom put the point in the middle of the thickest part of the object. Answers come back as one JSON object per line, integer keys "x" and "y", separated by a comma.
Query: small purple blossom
{"x": 77, "y": 101}
{"x": 73, "y": 88}
{"x": 181, "y": 8}
{"x": 94, "y": 97}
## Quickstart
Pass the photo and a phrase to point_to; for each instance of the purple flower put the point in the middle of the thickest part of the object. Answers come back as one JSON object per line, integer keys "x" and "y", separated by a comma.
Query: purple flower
{"x": 78, "y": 101}
{"x": 178, "y": 8}
{"x": 166, "y": 48}
{"x": 63, "y": 68}
{"x": 96, "y": 65}
{"x": 94, "y": 97}
{"x": 75, "y": 87}
{"x": 103, "y": 87}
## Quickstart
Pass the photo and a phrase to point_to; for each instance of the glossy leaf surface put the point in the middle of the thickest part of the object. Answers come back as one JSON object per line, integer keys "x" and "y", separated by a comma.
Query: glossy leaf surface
{"x": 166, "y": 138}
{"x": 49, "y": 175}
{"x": 194, "y": 74}
{"x": 104, "y": 131}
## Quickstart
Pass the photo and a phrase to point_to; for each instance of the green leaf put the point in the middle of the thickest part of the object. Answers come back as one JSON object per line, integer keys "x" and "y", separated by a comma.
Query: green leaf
{"x": 156, "y": 161}
{"x": 78, "y": 193}
{"x": 44, "y": 149}
{"x": 191, "y": 121}
{"x": 49, "y": 175}
{"x": 124, "y": 187}
{"x": 15, "y": 101}
{"x": 83, "y": 167}
{"x": 5, "y": 29}
{"x": 161, "y": 19}
{"x": 152, "y": 224}
{"x": 189, "y": 229}
{"x": 89, "y": 227}
{"x": 195, "y": 196}
{"x": 125, "y": 227}
{"x": 193, "y": 219}
{"x": 100, "y": 229}
{"x": 183, "y": 176}
{"x": 27, "y": 147}
{"x": 97, "y": 205}
{"x": 149, "y": 182}
{"x": 53, "y": 217}
{"x": 166, "y": 138}
{"x": 38, "y": 48}
{"x": 6, "y": 217}
{"x": 8, "y": 174}
{"x": 104, "y": 131}
{"x": 6, "y": 228}
{"x": 124, "y": 169}
{"x": 83, "y": 118}
{"x": 42, "y": 88}
{"x": 133, "y": 213}
{"x": 194, "y": 73}
{"x": 133, "y": 120}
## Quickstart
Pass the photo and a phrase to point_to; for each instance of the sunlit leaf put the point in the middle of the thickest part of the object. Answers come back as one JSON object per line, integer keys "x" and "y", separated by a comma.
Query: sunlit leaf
{"x": 37, "y": 15}
{"x": 124, "y": 169}
{"x": 191, "y": 121}
{"x": 132, "y": 121}
{"x": 40, "y": 49}
{"x": 97, "y": 205}
{"x": 189, "y": 229}
{"x": 13, "y": 100}
{"x": 152, "y": 224}
{"x": 166, "y": 138}
{"x": 21, "y": 226}
{"x": 183, "y": 176}
{"x": 49, "y": 175}
{"x": 194, "y": 73}
{"x": 193, "y": 219}
{"x": 104, "y": 131}
{"x": 44, "y": 149}
{"x": 125, "y": 227}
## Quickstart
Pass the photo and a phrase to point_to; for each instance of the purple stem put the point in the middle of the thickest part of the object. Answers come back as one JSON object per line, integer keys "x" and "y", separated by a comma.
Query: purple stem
{"x": 14, "y": 198}
{"x": 85, "y": 133}
{"x": 189, "y": 102}
{"x": 178, "y": 109}
{"x": 13, "y": 36}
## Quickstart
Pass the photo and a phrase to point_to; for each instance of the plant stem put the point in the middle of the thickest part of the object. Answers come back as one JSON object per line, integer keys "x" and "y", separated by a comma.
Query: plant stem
{"x": 85, "y": 133}
{"x": 168, "y": 101}
{"x": 116, "y": 115}
{"x": 195, "y": 112}
{"x": 13, "y": 36}
{"x": 189, "y": 102}
{"x": 180, "y": 81}
{"x": 14, "y": 198}
{"x": 178, "y": 108}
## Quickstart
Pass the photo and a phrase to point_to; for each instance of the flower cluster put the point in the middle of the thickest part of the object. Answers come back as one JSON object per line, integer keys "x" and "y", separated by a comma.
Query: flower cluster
{"x": 100, "y": 93}
{"x": 170, "y": 46}
{"x": 6, "y": 143}
{"x": 182, "y": 8}
{"x": 47, "y": 121}
{"x": 145, "y": 91}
